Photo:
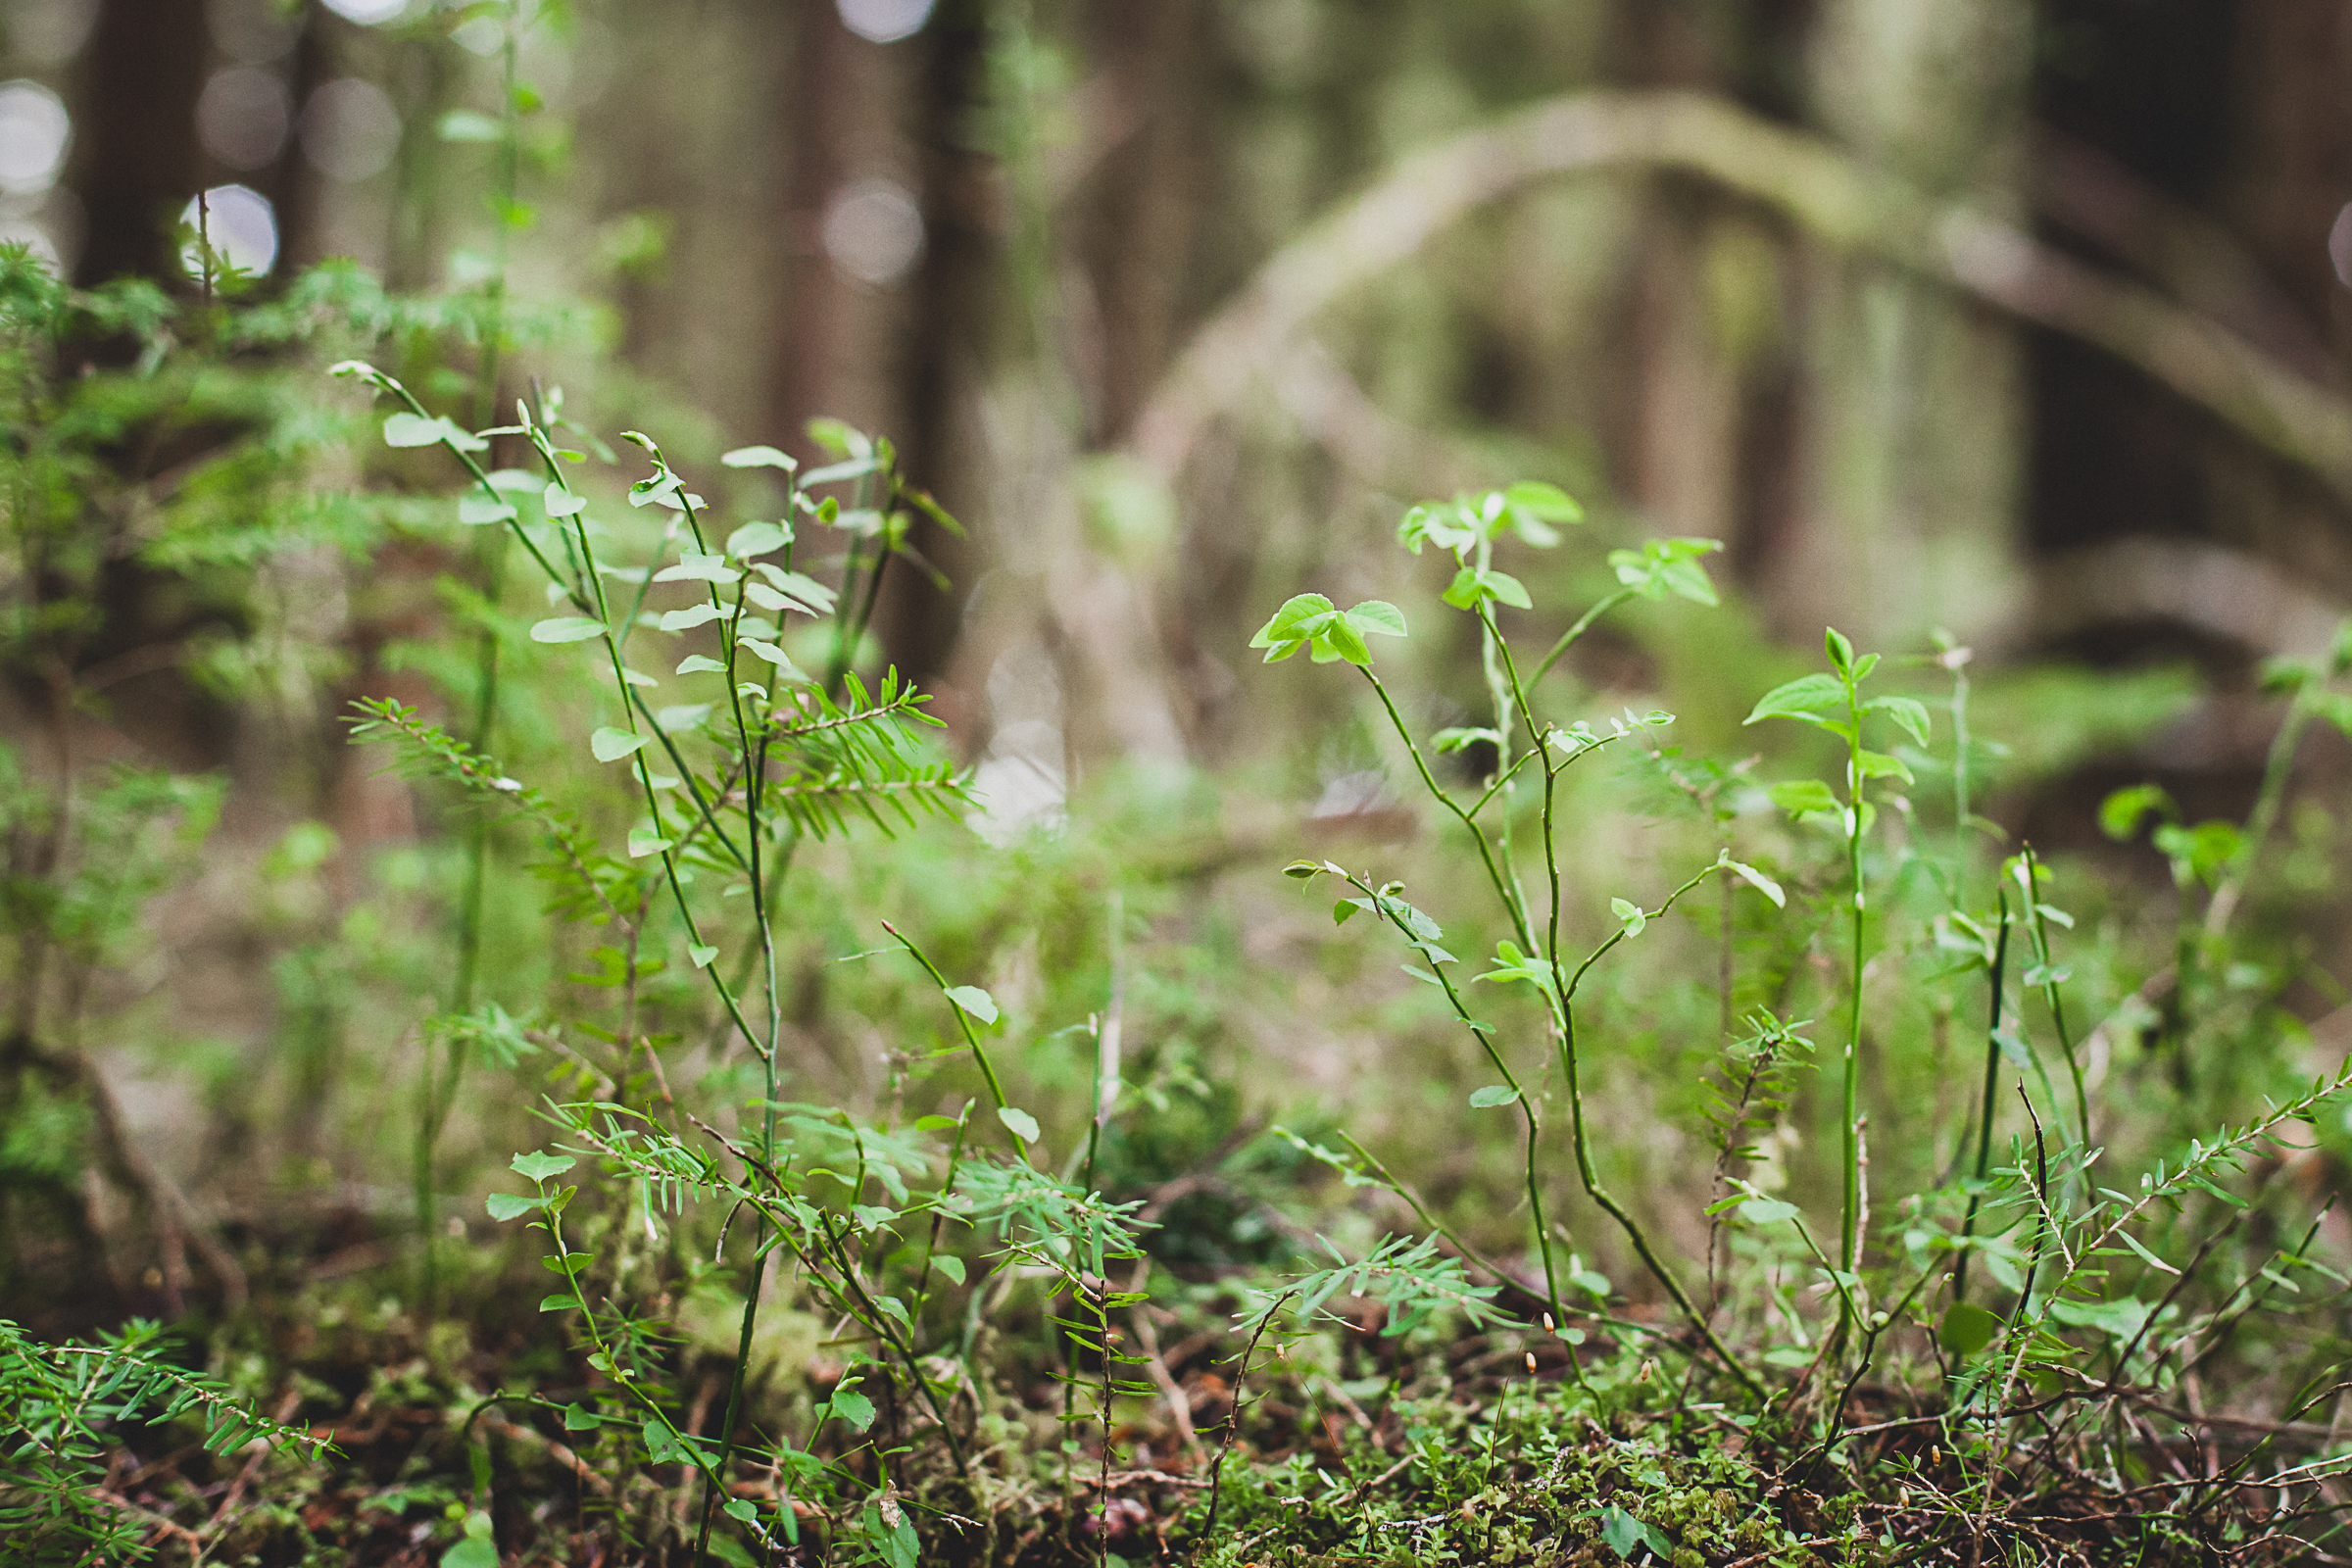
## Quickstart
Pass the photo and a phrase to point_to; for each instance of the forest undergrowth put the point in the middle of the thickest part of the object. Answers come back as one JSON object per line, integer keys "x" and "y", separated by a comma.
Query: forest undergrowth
{"x": 1766, "y": 1155}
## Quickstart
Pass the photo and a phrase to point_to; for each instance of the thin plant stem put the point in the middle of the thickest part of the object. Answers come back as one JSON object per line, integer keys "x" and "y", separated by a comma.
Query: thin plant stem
{"x": 1992, "y": 1068}
{"x": 1849, "y": 1165}
{"x": 1606, "y": 603}
{"x": 1515, "y": 908}
{"x": 2270, "y": 799}
{"x": 1483, "y": 1034}
{"x": 1233, "y": 1420}
{"x": 755, "y": 777}
{"x": 2051, "y": 994}
{"x": 1589, "y": 1174}
{"x": 988, "y": 1069}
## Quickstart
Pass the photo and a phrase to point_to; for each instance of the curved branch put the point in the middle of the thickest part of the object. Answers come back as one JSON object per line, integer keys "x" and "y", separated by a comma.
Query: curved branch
{"x": 1837, "y": 198}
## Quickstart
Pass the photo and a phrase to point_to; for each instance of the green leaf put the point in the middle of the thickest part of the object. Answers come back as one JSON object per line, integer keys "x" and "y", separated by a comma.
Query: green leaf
{"x": 566, "y": 629}
{"x": 757, "y": 539}
{"x": 2146, "y": 1256}
{"x": 1454, "y": 740}
{"x": 1910, "y": 714}
{"x": 811, "y": 597}
{"x": 1339, "y": 639}
{"x": 1801, "y": 797}
{"x": 682, "y": 715}
{"x": 513, "y": 1205}
{"x": 2333, "y": 708}
{"x": 1768, "y": 1211}
{"x": 474, "y": 1552}
{"x": 643, "y": 841}
{"x": 1627, "y": 1535}
{"x": 2117, "y": 1320}
{"x": 1877, "y": 764}
{"x": 759, "y": 457}
{"x": 1507, "y": 589}
{"x": 540, "y": 1167}
{"x": 579, "y": 1418}
{"x": 1759, "y": 881}
{"x": 700, "y": 955}
{"x": 653, "y": 489}
{"x": 694, "y": 567}
{"x": 1023, "y": 1125}
{"x": 1377, "y": 617}
{"x": 701, "y": 664}
{"x": 558, "y": 1302}
{"x": 562, "y": 502}
{"x": 1663, "y": 566}
{"x": 477, "y": 511}
{"x": 691, "y": 617}
{"x": 951, "y": 1265}
{"x": 612, "y": 745}
{"x": 974, "y": 1000}
{"x": 774, "y": 655}
{"x": 1545, "y": 502}
{"x": 1466, "y": 589}
{"x": 1299, "y": 618}
{"x": 854, "y": 1407}
{"x": 1629, "y": 914}
{"x": 415, "y": 430}
{"x": 1967, "y": 1328}
{"x": 2121, "y": 812}
{"x": 1807, "y": 694}
{"x": 1840, "y": 651}
{"x": 1492, "y": 1094}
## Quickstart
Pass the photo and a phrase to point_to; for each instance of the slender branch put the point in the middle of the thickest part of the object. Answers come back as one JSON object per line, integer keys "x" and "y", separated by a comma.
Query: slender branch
{"x": 1478, "y": 835}
{"x": 1992, "y": 1066}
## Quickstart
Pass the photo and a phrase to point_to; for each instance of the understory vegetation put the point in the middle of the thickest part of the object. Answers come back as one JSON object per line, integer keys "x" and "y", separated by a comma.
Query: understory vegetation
{"x": 1518, "y": 1114}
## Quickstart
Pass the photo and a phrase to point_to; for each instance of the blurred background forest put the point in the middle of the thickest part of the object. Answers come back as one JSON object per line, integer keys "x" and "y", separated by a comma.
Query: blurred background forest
{"x": 2028, "y": 322}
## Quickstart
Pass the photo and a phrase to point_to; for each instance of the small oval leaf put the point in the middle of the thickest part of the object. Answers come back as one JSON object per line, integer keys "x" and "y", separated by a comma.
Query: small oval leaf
{"x": 566, "y": 629}
{"x": 612, "y": 745}
{"x": 976, "y": 1001}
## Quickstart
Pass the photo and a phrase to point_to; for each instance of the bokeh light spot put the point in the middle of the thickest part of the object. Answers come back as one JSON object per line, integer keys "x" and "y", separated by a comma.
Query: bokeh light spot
{"x": 242, "y": 117}
{"x": 49, "y": 32}
{"x": 873, "y": 231}
{"x": 350, "y": 129}
{"x": 241, "y": 225}
{"x": 367, "y": 13}
{"x": 34, "y": 129}
{"x": 884, "y": 21}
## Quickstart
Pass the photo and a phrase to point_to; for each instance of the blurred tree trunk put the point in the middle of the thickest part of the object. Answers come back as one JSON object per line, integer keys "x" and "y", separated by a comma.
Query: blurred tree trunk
{"x": 2208, "y": 146}
{"x": 135, "y": 160}
{"x": 944, "y": 341}
{"x": 289, "y": 182}
{"x": 823, "y": 109}
{"x": 1914, "y": 435}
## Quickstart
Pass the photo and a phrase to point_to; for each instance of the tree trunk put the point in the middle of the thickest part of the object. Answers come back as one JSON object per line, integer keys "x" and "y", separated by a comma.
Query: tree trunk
{"x": 135, "y": 161}
{"x": 1914, "y": 442}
